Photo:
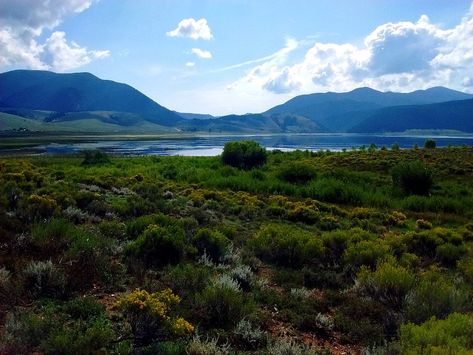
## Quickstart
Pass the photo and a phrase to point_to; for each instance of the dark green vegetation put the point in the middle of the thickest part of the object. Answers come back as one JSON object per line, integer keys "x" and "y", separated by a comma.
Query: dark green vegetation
{"x": 82, "y": 103}
{"x": 304, "y": 254}
{"x": 244, "y": 155}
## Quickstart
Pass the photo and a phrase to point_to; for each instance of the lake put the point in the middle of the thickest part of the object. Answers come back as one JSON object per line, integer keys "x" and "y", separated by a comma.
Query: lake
{"x": 212, "y": 145}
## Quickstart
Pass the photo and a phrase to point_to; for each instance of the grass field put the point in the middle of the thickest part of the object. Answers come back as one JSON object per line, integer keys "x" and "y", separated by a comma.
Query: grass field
{"x": 310, "y": 253}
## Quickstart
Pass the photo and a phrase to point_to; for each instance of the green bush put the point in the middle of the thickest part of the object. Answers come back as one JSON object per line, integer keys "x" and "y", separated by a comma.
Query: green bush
{"x": 56, "y": 329}
{"x": 159, "y": 246}
{"x": 187, "y": 279}
{"x": 40, "y": 207}
{"x": 362, "y": 320}
{"x": 435, "y": 295}
{"x": 452, "y": 335}
{"x": 365, "y": 253}
{"x": 430, "y": 144}
{"x": 297, "y": 172}
{"x": 412, "y": 178}
{"x": 95, "y": 157}
{"x": 336, "y": 191}
{"x": 390, "y": 284}
{"x": 286, "y": 245}
{"x": 449, "y": 254}
{"x": 222, "y": 304}
{"x": 87, "y": 259}
{"x": 244, "y": 154}
{"x": 212, "y": 243}
{"x": 53, "y": 236}
{"x": 43, "y": 279}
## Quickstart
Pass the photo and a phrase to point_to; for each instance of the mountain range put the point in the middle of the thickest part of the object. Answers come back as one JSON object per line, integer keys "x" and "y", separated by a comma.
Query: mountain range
{"x": 81, "y": 102}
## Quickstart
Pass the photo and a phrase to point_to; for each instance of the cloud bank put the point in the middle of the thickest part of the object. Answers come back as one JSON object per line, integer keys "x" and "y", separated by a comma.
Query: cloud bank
{"x": 191, "y": 28}
{"x": 22, "y": 22}
{"x": 402, "y": 56}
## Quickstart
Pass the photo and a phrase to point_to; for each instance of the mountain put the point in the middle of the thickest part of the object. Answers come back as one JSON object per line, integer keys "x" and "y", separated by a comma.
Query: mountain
{"x": 253, "y": 123}
{"x": 341, "y": 111}
{"x": 451, "y": 115}
{"x": 196, "y": 116}
{"x": 78, "y": 92}
{"x": 81, "y": 102}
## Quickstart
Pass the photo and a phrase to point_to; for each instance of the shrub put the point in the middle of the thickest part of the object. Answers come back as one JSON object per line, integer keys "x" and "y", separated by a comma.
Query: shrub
{"x": 336, "y": 191}
{"x": 223, "y": 304}
{"x": 212, "y": 243}
{"x": 159, "y": 246}
{"x": 289, "y": 347}
{"x": 435, "y": 295}
{"x": 40, "y": 207}
{"x": 75, "y": 339}
{"x": 86, "y": 259}
{"x": 389, "y": 284}
{"x": 449, "y": 254}
{"x": 5, "y": 286}
{"x": 75, "y": 215}
{"x": 304, "y": 214}
{"x": 52, "y": 236}
{"x": 248, "y": 336}
{"x": 243, "y": 275}
{"x": 95, "y": 157}
{"x": 244, "y": 154}
{"x": 54, "y": 329}
{"x": 448, "y": 336}
{"x": 113, "y": 230}
{"x": 422, "y": 224}
{"x": 430, "y": 144}
{"x": 43, "y": 279}
{"x": 187, "y": 279}
{"x": 365, "y": 252}
{"x": 150, "y": 315}
{"x": 412, "y": 178}
{"x": 286, "y": 245}
{"x": 362, "y": 320}
{"x": 199, "y": 346}
{"x": 297, "y": 172}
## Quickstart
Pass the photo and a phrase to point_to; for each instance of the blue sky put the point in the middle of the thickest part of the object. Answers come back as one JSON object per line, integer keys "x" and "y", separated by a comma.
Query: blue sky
{"x": 238, "y": 56}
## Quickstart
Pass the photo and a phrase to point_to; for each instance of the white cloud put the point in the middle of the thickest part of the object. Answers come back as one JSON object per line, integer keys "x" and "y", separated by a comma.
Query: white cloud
{"x": 22, "y": 22}
{"x": 203, "y": 54}
{"x": 190, "y": 64}
{"x": 401, "y": 56}
{"x": 195, "y": 29}
{"x": 66, "y": 56}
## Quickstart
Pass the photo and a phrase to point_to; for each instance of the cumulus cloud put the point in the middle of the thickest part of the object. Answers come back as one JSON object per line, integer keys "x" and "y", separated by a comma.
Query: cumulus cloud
{"x": 203, "y": 54}
{"x": 67, "y": 56}
{"x": 22, "y": 22}
{"x": 195, "y": 29}
{"x": 400, "y": 56}
{"x": 282, "y": 83}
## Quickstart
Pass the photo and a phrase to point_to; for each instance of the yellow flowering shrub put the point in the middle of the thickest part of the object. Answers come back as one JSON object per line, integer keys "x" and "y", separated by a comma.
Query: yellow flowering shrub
{"x": 153, "y": 311}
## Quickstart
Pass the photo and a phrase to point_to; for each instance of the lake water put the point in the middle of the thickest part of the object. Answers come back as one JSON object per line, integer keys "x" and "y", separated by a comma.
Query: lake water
{"x": 213, "y": 145}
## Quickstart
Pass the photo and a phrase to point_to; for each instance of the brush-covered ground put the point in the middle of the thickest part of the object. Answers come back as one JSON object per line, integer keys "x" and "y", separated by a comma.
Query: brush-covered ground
{"x": 310, "y": 253}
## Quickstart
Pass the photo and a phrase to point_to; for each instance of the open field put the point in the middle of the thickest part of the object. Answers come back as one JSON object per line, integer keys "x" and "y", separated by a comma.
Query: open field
{"x": 310, "y": 253}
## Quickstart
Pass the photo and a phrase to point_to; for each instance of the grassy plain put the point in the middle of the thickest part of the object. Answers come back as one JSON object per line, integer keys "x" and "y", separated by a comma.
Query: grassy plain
{"x": 312, "y": 253}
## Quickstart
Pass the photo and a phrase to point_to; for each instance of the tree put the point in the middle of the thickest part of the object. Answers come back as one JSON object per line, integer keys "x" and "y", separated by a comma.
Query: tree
{"x": 430, "y": 144}
{"x": 244, "y": 154}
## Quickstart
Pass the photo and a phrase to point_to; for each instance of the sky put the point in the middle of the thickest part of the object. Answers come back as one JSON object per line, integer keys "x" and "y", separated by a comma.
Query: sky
{"x": 239, "y": 56}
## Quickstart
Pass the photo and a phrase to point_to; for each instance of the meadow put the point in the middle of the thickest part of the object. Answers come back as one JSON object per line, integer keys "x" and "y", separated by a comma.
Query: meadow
{"x": 361, "y": 251}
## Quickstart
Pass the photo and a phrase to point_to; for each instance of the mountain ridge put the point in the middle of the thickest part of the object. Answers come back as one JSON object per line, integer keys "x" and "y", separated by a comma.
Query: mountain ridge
{"x": 82, "y": 101}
